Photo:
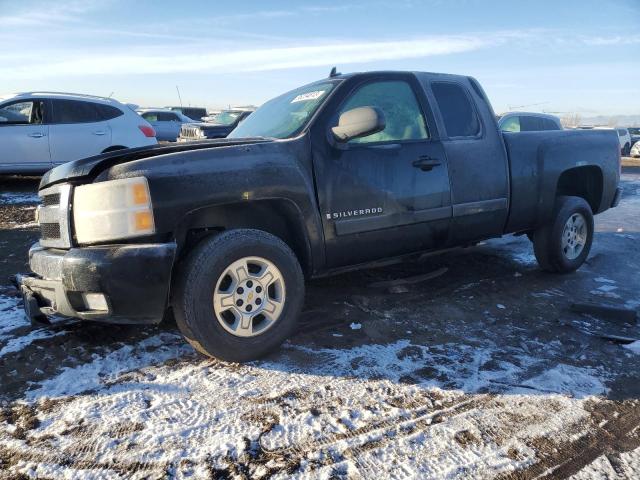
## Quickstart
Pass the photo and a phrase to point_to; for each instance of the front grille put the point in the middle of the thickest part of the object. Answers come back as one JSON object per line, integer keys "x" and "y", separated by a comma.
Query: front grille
{"x": 54, "y": 216}
{"x": 51, "y": 200}
{"x": 50, "y": 231}
{"x": 190, "y": 132}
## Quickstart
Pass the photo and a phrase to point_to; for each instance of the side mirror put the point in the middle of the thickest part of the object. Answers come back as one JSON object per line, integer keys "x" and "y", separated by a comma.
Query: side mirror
{"x": 358, "y": 122}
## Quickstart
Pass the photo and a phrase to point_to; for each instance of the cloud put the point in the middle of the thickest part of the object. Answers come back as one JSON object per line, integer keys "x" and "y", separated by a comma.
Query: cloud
{"x": 247, "y": 60}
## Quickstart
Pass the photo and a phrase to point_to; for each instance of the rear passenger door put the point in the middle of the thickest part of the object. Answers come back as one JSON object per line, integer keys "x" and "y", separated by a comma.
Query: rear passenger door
{"x": 77, "y": 131}
{"x": 385, "y": 194}
{"x": 477, "y": 160}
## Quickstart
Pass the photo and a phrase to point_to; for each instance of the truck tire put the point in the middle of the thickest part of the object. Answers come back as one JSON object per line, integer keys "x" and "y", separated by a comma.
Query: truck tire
{"x": 238, "y": 295}
{"x": 563, "y": 244}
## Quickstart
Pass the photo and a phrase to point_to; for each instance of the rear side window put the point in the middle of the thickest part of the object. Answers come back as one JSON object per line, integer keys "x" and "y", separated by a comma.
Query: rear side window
{"x": 458, "y": 114}
{"x": 167, "y": 117}
{"x": 74, "y": 111}
{"x": 107, "y": 112}
{"x": 550, "y": 124}
{"x": 531, "y": 124}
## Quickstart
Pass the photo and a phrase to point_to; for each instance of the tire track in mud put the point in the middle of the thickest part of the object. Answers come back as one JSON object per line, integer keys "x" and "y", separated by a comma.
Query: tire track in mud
{"x": 614, "y": 429}
{"x": 366, "y": 438}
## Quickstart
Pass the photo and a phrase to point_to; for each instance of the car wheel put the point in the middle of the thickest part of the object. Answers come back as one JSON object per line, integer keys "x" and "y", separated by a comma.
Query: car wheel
{"x": 626, "y": 150}
{"x": 563, "y": 245}
{"x": 238, "y": 295}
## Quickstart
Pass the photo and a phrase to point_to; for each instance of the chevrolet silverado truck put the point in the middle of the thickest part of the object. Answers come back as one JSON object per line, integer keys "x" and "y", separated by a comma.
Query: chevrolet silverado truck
{"x": 341, "y": 173}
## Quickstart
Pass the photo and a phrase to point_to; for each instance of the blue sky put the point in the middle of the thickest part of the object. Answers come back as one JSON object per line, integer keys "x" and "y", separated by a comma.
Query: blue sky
{"x": 560, "y": 56}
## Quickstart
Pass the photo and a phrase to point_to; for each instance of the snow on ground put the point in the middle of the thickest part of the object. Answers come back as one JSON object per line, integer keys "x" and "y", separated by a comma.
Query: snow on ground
{"x": 18, "y": 198}
{"x": 13, "y": 323}
{"x": 624, "y": 465}
{"x": 310, "y": 413}
{"x": 11, "y": 316}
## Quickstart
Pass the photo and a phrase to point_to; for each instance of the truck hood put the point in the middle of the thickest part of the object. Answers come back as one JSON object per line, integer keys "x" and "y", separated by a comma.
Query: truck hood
{"x": 79, "y": 170}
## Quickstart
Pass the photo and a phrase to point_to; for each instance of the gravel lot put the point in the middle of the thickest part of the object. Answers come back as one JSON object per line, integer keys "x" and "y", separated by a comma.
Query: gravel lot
{"x": 479, "y": 372}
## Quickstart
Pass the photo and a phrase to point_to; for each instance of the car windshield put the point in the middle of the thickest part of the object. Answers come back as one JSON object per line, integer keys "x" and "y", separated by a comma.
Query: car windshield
{"x": 226, "y": 118}
{"x": 286, "y": 115}
{"x": 634, "y": 131}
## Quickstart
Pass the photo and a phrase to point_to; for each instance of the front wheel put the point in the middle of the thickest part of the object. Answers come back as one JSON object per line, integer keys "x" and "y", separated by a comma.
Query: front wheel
{"x": 238, "y": 295}
{"x": 564, "y": 243}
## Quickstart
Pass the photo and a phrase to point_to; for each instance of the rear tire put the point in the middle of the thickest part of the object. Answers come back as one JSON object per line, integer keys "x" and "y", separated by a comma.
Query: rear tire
{"x": 563, "y": 244}
{"x": 626, "y": 150}
{"x": 238, "y": 295}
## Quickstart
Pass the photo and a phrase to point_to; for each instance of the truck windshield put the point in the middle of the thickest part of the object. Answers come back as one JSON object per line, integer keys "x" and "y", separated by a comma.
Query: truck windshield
{"x": 286, "y": 115}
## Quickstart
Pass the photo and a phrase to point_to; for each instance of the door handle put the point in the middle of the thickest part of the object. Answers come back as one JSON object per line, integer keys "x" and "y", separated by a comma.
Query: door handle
{"x": 100, "y": 132}
{"x": 36, "y": 135}
{"x": 426, "y": 163}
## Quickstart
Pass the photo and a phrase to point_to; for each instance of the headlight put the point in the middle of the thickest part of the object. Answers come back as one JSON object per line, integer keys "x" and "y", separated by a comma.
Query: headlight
{"x": 112, "y": 210}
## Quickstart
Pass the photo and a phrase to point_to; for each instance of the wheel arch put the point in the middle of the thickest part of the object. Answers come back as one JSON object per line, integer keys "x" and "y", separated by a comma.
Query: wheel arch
{"x": 586, "y": 182}
{"x": 277, "y": 216}
{"x": 113, "y": 148}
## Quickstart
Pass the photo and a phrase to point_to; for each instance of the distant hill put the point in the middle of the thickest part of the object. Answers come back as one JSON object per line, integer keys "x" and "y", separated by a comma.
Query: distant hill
{"x": 612, "y": 120}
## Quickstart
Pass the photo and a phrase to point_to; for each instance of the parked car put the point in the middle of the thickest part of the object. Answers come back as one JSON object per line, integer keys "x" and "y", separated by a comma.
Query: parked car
{"x": 39, "y": 130}
{"x": 165, "y": 122}
{"x": 345, "y": 172}
{"x": 194, "y": 113}
{"x": 220, "y": 126}
{"x": 635, "y": 134}
{"x": 623, "y": 137}
{"x": 528, "y": 122}
{"x": 635, "y": 150}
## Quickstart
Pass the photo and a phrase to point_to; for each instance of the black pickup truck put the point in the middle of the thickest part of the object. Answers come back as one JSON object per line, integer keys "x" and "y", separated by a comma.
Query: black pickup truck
{"x": 340, "y": 173}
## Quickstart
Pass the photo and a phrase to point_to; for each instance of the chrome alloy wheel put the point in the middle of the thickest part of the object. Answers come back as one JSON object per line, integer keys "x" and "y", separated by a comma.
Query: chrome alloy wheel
{"x": 249, "y": 297}
{"x": 574, "y": 236}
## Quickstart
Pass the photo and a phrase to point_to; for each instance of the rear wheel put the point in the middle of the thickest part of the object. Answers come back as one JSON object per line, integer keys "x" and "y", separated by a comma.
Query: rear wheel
{"x": 563, "y": 245}
{"x": 238, "y": 295}
{"x": 626, "y": 150}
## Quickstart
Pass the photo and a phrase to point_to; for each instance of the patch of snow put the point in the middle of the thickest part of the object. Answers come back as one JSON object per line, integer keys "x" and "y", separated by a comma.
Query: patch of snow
{"x": 18, "y": 198}
{"x": 12, "y": 317}
{"x": 355, "y": 326}
{"x": 150, "y": 351}
{"x": 19, "y": 343}
{"x": 607, "y": 288}
{"x": 634, "y": 347}
{"x": 604, "y": 280}
{"x": 501, "y": 306}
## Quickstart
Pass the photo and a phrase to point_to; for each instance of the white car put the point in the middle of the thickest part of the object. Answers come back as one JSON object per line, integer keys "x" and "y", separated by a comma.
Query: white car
{"x": 39, "y": 130}
{"x": 624, "y": 136}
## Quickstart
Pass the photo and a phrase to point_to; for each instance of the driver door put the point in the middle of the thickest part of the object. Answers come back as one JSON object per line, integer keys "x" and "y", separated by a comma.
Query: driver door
{"x": 24, "y": 137}
{"x": 385, "y": 194}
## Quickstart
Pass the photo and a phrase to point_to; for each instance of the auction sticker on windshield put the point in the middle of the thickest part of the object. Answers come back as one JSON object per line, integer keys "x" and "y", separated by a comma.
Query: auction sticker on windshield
{"x": 305, "y": 97}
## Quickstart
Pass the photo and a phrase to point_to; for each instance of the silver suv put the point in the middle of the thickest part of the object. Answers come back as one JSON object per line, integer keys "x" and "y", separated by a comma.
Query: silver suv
{"x": 39, "y": 130}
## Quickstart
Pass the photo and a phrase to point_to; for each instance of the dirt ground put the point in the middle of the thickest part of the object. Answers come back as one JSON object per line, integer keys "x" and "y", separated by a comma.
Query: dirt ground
{"x": 481, "y": 371}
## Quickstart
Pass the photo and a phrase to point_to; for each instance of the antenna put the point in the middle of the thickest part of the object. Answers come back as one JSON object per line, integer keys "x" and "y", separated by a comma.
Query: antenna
{"x": 179, "y": 97}
{"x": 333, "y": 73}
{"x": 512, "y": 107}
{"x": 111, "y": 94}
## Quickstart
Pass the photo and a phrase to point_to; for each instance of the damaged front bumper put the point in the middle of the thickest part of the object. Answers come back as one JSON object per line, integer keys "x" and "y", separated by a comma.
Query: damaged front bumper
{"x": 115, "y": 283}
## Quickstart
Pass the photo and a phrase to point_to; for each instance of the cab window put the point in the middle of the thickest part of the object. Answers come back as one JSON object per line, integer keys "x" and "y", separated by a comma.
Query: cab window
{"x": 458, "y": 114}
{"x": 398, "y": 103}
